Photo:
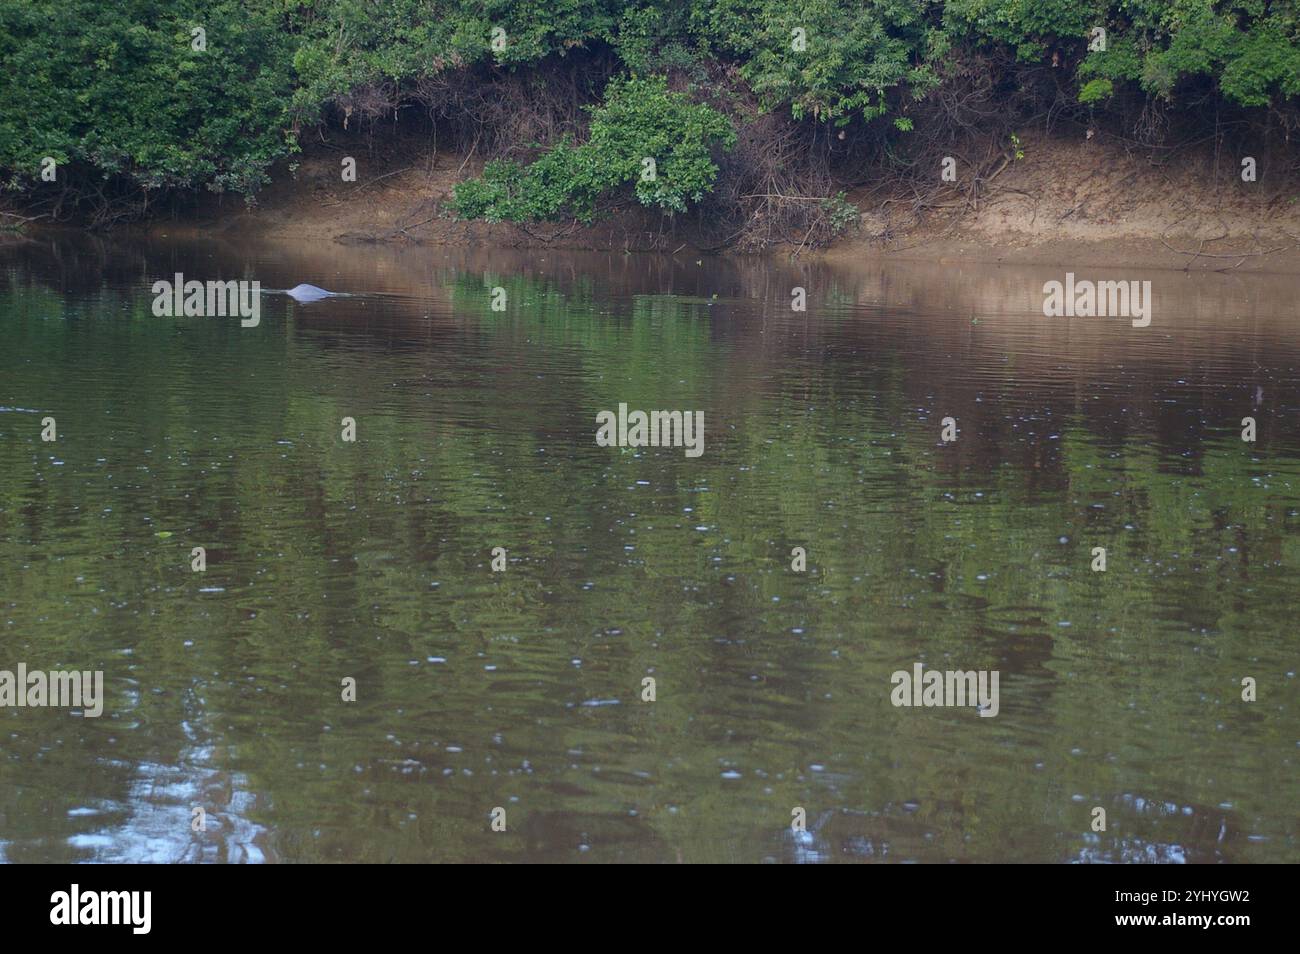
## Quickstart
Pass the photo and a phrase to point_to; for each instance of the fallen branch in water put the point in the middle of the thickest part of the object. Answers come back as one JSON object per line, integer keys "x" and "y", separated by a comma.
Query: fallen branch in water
{"x": 1241, "y": 255}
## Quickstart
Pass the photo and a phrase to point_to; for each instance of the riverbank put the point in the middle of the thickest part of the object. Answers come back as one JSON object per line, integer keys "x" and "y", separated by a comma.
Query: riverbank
{"x": 1087, "y": 202}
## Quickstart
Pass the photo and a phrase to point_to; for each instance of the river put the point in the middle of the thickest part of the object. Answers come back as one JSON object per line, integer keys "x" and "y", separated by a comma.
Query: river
{"x": 329, "y": 561}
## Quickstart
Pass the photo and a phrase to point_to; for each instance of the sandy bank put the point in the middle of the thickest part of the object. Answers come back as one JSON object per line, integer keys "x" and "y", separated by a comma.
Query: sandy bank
{"x": 1069, "y": 201}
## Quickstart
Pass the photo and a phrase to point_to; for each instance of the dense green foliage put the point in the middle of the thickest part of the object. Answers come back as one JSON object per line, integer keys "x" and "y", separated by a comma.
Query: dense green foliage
{"x": 119, "y": 87}
{"x": 119, "y": 90}
{"x": 1167, "y": 43}
{"x": 827, "y": 58}
{"x": 642, "y": 134}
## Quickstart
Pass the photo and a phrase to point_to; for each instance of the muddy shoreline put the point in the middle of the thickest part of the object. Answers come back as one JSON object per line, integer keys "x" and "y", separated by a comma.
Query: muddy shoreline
{"x": 1080, "y": 203}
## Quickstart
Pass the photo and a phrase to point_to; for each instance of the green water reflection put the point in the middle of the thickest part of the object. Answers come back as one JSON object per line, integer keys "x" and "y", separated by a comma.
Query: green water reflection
{"x": 522, "y": 689}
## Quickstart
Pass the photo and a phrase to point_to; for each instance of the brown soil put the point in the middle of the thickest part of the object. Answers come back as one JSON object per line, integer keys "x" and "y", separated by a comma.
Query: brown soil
{"x": 401, "y": 194}
{"x": 1074, "y": 201}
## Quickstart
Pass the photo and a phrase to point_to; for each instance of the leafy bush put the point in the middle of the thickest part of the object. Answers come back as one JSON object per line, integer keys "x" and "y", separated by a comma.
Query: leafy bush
{"x": 1252, "y": 47}
{"x": 847, "y": 57}
{"x": 639, "y": 120}
{"x": 116, "y": 90}
{"x": 348, "y": 44}
{"x": 1096, "y": 90}
{"x": 119, "y": 88}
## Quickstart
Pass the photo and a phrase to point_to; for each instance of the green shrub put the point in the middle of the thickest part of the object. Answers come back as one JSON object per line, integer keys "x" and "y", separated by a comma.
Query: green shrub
{"x": 119, "y": 88}
{"x": 639, "y": 120}
{"x": 115, "y": 88}
{"x": 1096, "y": 90}
{"x": 849, "y": 56}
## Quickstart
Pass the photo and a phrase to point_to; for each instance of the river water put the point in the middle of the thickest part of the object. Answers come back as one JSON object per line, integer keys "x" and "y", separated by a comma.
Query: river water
{"x": 329, "y": 560}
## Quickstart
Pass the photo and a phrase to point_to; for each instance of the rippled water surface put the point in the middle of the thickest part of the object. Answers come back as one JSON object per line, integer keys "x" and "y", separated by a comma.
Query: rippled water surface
{"x": 522, "y": 689}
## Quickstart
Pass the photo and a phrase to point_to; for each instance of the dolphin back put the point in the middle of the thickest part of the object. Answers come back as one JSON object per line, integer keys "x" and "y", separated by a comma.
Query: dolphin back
{"x": 308, "y": 293}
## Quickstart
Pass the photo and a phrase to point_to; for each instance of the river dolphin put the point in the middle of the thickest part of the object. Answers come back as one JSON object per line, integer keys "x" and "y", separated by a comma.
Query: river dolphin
{"x": 309, "y": 293}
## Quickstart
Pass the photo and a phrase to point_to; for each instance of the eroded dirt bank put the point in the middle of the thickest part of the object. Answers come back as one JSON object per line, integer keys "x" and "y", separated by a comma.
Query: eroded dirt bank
{"x": 1069, "y": 200}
